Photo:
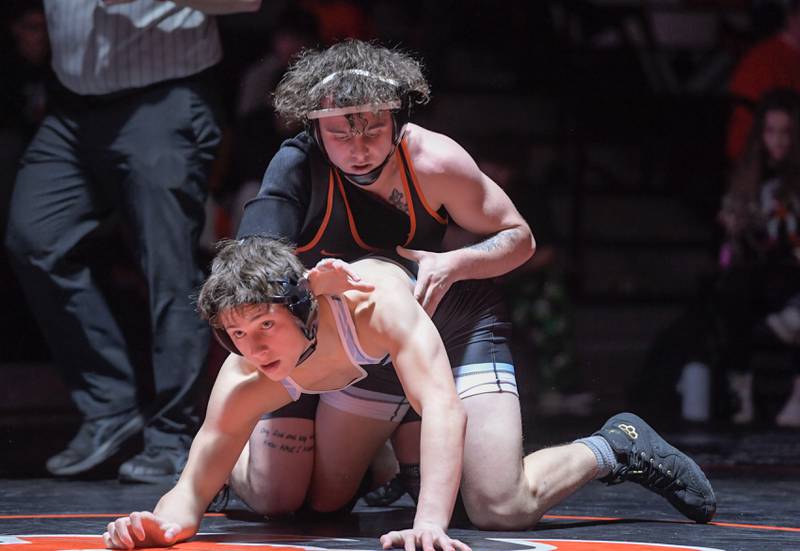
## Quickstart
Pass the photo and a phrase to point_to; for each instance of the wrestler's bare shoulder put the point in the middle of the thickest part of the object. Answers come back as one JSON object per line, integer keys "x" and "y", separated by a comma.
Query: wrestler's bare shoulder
{"x": 237, "y": 372}
{"x": 383, "y": 273}
{"x": 432, "y": 152}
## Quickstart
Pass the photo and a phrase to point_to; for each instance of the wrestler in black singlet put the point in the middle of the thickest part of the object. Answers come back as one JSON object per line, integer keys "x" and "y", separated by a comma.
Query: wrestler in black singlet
{"x": 304, "y": 200}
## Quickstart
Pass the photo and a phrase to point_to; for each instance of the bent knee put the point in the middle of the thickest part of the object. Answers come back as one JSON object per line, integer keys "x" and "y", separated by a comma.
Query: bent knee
{"x": 269, "y": 500}
{"x": 494, "y": 512}
{"x": 503, "y": 518}
{"x": 331, "y": 502}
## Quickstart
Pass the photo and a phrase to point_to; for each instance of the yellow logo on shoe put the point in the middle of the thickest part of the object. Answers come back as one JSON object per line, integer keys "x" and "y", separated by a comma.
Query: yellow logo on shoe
{"x": 630, "y": 430}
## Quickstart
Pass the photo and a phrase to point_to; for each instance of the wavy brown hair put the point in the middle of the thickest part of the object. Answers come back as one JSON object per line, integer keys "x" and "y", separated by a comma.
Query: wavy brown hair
{"x": 247, "y": 272}
{"x": 301, "y": 89}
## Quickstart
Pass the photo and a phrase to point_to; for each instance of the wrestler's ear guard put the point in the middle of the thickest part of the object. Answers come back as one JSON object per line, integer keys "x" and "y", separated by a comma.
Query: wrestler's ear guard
{"x": 400, "y": 117}
{"x": 225, "y": 340}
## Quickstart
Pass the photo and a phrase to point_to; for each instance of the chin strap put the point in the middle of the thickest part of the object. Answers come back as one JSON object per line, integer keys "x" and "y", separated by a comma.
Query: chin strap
{"x": 370, "y": 177}
{"x": 307, "y": 352}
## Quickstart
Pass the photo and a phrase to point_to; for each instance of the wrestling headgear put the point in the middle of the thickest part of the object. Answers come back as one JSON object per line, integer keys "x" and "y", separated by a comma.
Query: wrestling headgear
{"x": 400, "y": 110}
{"x": 300, "y": 301}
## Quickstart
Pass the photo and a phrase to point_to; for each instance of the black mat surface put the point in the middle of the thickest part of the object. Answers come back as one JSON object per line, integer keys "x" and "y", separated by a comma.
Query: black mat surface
{"x": 756, "y": 512}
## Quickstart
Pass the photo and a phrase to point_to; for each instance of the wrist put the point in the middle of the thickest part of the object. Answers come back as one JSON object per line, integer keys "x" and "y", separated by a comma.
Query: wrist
{"x": 429, "y": 522}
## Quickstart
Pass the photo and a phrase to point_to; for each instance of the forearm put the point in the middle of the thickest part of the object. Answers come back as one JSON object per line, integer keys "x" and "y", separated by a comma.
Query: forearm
{"x": 220, "y": 7}
{"x": 441, "y": 458}
{"x": 496, "y": 255}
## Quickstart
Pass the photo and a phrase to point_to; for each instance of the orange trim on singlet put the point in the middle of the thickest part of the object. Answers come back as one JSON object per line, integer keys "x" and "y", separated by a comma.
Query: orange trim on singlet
{"x": 350, "y": 220}
{"x": 412, "y": 215}
{"x": 414, "y": 180}
{"x": 325, "y": 219}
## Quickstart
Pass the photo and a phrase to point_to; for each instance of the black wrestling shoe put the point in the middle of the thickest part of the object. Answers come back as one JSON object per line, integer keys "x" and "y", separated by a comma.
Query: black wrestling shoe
{"x": 647, "y": 459}
{"x": 385, "y": 495}
{"x": 96, "y": 441}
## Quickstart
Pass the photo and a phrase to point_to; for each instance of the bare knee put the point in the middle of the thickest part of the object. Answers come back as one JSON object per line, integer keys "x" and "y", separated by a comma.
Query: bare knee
{"x": 265, "y": 500}
{"x": 513, "y": 510}
{"x": 490, "y": 517}
{"x": 332, "y": 499}
{"x": 269, "y": 499}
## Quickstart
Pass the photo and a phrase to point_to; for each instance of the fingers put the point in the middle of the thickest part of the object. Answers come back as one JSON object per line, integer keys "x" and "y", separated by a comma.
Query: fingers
{"x": 427, "y": 541}
{"x": 128, "y": 532}
{"x": 409, "y": 541}
{"x": 117, "y": 535}
{"x": 410, "y": 254}
{"x": 433, "y": 294}
{"x": 361, "y": 286}
{"x": 388, "y": 540}
{"x": 136, "y": 525}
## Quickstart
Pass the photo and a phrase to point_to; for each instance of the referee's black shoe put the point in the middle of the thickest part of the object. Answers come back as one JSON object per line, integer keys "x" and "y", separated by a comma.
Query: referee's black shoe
{"x": 96, "y": 440}
{"x": 647, "y": 459}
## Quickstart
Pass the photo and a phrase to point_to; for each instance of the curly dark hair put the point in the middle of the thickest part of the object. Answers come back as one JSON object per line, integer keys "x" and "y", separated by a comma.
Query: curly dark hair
{"x": 349, "y": 73}
{"x": 246, "y": 272}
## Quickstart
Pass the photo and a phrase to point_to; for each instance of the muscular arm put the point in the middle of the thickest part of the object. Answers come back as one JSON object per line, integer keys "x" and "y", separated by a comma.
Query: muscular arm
{"x": 235, "y": 405}
{"x": 451, "y": 178}
{"x": 421, "y": 363}
{"x": 477, "y": 204}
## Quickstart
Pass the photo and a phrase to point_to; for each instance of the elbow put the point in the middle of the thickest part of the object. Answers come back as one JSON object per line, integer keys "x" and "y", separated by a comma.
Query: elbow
{"x": 531, "y": 246}
{"x": 530, "y": 242}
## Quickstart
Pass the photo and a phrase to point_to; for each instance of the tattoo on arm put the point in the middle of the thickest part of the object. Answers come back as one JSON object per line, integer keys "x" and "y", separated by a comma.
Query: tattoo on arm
{"x": 287, "y": 442}
{"x": 398, "y": 200}
{"x": 499, "y": 240}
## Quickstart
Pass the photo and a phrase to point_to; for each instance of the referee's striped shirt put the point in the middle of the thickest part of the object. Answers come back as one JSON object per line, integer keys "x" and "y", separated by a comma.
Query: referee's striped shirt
{"x": 99, "y": 49}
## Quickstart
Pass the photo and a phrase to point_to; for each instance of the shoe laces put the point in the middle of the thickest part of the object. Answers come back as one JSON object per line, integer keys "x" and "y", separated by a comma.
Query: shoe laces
{"x": 647, "y": 472}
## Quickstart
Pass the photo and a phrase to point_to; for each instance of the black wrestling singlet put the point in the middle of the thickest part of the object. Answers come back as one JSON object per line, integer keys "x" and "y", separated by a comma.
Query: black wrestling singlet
{"x": 347, "y": 222}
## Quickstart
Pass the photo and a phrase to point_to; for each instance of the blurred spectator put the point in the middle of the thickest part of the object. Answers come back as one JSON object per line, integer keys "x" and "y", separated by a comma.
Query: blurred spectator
{"x": 258, "y": 132}
{"x": 760, "y": 257}
{"x": 24, "y": 72}
{"x": 294, "y": 30}
{"x": 772, "y": 63}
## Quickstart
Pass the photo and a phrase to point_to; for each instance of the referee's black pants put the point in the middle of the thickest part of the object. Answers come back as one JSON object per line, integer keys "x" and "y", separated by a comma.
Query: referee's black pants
{"x": 143, "y": 157}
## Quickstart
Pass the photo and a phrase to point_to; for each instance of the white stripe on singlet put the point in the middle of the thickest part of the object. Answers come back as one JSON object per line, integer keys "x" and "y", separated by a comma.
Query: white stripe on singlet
{"x": 99, "y": 49}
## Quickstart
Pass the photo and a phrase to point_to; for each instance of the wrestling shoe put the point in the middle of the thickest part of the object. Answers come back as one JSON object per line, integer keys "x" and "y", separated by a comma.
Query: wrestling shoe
{"x": 647, "y": 459}
{"x": 385, "y": 495}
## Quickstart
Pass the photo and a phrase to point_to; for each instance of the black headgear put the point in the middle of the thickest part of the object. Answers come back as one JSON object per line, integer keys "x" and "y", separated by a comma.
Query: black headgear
{"x": 399, "y": 109}
{"x": 299, "y": 300}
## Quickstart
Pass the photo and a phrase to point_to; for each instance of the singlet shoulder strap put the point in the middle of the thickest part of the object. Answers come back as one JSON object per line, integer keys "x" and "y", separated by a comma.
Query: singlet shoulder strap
{"x": 347, "y": 333}
{"x": 410, "y": 175}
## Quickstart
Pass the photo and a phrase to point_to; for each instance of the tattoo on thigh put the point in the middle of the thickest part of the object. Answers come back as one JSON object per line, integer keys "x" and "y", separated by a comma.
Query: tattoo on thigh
{"x": 288, "y": 442}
